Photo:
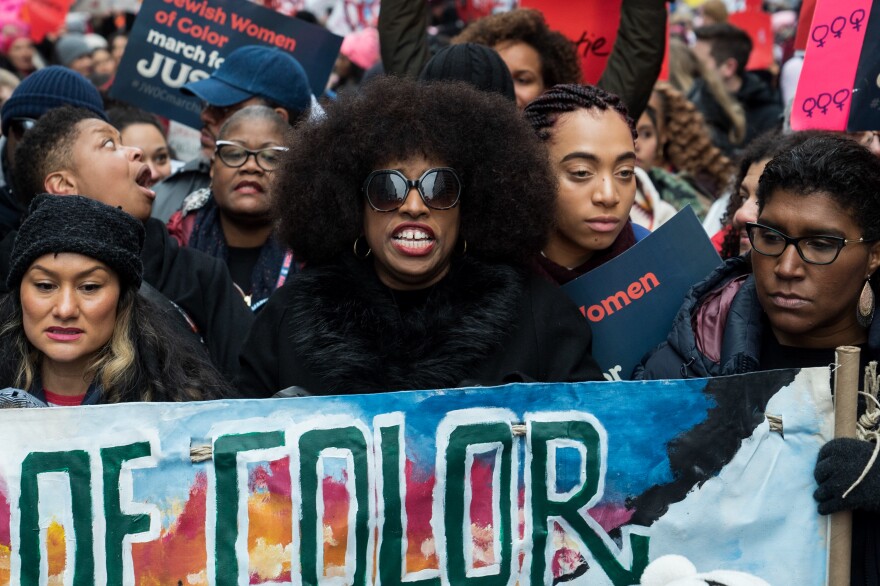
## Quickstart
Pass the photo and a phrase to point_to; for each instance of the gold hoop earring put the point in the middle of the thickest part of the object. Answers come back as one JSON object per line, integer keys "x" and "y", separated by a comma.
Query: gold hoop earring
{"x": 865, "y": 309}
{"x": 355, "y": 248}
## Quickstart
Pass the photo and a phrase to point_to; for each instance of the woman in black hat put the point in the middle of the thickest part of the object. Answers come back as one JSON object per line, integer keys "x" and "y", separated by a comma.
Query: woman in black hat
{"x": 414, "y": 208}
{"x": 77, "y": 331}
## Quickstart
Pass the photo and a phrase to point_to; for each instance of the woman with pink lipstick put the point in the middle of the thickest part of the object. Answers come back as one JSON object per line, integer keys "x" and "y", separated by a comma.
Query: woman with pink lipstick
{"x": 77, "y": 332}
{"x": 232, "y": 219}
{"x": 591, "y": 142}
{"x": 806, "y": 287}
{"x": 415, "y": 222}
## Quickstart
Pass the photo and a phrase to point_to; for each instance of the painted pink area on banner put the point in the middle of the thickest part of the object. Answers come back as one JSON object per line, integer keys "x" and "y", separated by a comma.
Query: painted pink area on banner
{"x": 824, "y": 92}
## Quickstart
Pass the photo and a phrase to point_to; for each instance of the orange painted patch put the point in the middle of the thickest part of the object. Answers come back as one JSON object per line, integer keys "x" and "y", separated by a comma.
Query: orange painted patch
{"x": 56, "y": 551}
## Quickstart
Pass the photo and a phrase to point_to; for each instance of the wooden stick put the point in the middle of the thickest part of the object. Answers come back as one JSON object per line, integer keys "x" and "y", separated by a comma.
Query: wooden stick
{"x": 846, "y": 401}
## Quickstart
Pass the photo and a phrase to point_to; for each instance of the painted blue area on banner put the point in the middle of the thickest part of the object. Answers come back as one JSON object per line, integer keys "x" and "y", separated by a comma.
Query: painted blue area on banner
{"x": 174, "y": 42}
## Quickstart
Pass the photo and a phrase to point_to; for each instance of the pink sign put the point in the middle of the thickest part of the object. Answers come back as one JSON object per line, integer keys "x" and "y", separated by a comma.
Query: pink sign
{"x": 824, "y": 93}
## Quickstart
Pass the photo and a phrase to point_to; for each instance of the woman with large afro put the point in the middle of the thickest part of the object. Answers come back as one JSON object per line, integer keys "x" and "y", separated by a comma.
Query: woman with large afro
{"x": 415, "y": 208}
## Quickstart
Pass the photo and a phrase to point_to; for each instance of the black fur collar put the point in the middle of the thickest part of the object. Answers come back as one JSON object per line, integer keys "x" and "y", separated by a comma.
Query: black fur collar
{"x": 353, "y": 336}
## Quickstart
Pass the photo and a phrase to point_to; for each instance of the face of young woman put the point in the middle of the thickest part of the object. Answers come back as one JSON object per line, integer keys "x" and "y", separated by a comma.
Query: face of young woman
{"x": 524, "y": 64}
{"x": 154, "y": 146}
{"x": 748, "y": 211}
{"x": 593, "y": 155}
{"x": 412, "y": 246}
{"x": 809, "y": 305}
{"x": 242, "y": 193}
{"x": 646, "y": 145}
{"x": 69, "y": 304}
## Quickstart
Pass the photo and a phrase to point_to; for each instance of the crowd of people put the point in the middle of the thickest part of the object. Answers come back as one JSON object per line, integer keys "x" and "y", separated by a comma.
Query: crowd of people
{"x": 410, "y": 225}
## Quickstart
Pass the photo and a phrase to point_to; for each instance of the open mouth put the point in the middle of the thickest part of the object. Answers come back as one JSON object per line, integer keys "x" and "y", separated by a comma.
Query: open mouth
{"x": 144, "y": 178}
{"x": 413, "y": 238}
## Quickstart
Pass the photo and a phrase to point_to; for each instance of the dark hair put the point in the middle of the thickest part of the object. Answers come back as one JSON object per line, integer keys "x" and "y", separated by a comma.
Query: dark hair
{"x": 146, "y": 359}
{"x": 727, "y": 42}
{"x": 46, "y": 148}
{"x": 508, "y": 195}
{"x": 829, "y": 164}
{"x": 766, "y": 146}
{"x": 543, "y": 112}
{"x": 121, "y": 117}
{"x": 559, "y": 59}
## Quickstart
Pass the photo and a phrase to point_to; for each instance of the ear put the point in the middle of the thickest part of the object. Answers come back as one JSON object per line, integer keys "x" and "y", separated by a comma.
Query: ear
{"x": 283, "y": 113}
{"x": 874, "y": 258}
{"x": 728, "y": 68}
{"x": 60, "y": 183}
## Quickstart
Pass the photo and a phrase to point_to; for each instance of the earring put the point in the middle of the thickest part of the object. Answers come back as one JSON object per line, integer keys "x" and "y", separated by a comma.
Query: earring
{"x": 865, "y": 309}
{"x": 463, "y": 248}
{"x": 355, "y": 248}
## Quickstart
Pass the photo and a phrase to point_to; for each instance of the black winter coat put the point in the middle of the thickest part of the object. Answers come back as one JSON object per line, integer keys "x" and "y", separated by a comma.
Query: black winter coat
{"x": 336, "y": 329}
{"x": 201, "y": 286}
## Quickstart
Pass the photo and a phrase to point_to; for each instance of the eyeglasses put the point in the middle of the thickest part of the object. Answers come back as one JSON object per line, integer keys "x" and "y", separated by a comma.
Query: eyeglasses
{"x": 817, "y": 250}
{"x": 19, "y": 126}
{"x": 234, "y": 155}
{"x": 387, "y": 189}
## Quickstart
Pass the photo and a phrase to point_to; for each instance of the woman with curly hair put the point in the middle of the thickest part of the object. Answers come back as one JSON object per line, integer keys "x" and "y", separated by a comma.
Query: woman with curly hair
{"x": 590, "y": 139}
{"x": 77, "y": 330}
{"x": 539, "y": 57}
{"x": 742, "y": 207}
{"x": 414, "y": 220}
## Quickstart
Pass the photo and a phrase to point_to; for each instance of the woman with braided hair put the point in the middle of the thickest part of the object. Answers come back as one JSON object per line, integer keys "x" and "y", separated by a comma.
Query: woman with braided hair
{"x": 591, "y": 143}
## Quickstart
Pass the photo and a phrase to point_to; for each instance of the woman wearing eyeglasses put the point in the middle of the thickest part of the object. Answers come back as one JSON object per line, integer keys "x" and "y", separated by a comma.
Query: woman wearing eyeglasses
{"x": 415, "y": 208}
{"x": 232, "y": 218}
{"x": 807, "y": 286}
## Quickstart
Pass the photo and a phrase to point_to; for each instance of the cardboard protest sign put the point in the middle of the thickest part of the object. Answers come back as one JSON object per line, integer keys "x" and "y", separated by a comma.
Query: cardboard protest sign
{"x": 529, "y": 484}
{"x": 865, "y": 112}
{"x": 174, "y": 42}
{"x": 591, "y": 24}
{"x": 825, "y": 89}
{"x": 758, "y": 25}
{"x": 660, "y": 269}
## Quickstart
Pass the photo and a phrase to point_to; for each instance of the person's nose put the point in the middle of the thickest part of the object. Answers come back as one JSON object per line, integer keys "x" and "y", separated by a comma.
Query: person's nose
{"x": 66, "y": 306}
{"x": 789, "y": 264}
{"x": 747, "y": 212}
{"x": 413, "y": 205}
{"x": 250, "y": 164}
{"x": 605, "y": 193}
{"x": 134, "y": 153}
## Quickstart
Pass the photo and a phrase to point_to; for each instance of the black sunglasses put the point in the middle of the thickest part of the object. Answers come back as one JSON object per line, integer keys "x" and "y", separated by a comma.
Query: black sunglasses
{"x": 234, "y": 155}
{"x": 816, "y": 250}
{"x": 19, "y": 126}
{"x": 387, "y": 189}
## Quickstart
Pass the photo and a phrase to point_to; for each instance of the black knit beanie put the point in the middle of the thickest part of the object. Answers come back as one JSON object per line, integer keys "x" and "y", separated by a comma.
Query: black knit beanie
{"x": 72, "y": 223}
{"x": 478, "y": 65}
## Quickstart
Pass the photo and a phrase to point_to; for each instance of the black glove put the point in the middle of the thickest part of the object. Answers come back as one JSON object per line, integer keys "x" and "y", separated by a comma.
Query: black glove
{"x": 840, "y": 462}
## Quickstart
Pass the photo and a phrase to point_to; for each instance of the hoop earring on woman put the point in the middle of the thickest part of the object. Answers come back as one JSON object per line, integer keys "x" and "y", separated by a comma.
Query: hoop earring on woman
{"x": 865, "y": 309}
{"x": 463, "y": 247}
{"x": 355, "y": 248}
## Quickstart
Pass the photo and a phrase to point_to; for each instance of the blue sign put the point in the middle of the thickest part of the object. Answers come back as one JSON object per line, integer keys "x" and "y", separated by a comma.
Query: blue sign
{"x": 175, "y": 42}
{"x": 631, "y": 300}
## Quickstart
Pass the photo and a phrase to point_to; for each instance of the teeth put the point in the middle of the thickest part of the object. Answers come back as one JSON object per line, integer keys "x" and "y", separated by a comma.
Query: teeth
{"x": 412, "y": 234}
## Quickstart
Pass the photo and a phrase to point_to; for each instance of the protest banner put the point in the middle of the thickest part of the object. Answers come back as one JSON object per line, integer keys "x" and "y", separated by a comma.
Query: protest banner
{"x": 591, "y": 24}
{"x": 824, "y": 95}
{"x": 45, "y": 16}
{"x": 529, "y": 484}
{"x": 660, "y": 269}
{"x": 174, "y": 42}
{"x": 805, "y": 20}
